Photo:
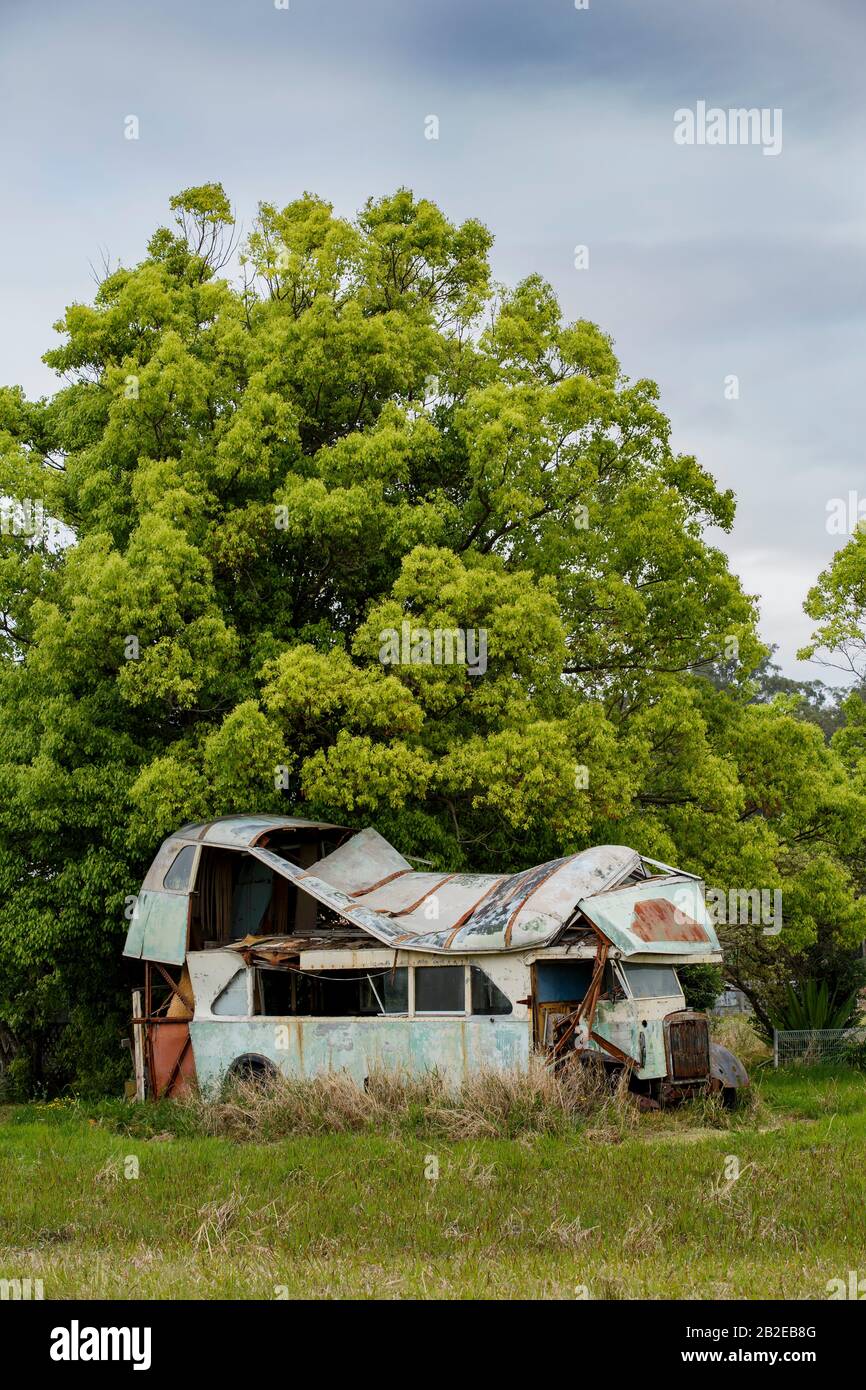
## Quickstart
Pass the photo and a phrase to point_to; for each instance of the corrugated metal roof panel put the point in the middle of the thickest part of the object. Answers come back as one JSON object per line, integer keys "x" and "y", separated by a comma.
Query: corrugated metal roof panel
{"x": 367, "y": 882}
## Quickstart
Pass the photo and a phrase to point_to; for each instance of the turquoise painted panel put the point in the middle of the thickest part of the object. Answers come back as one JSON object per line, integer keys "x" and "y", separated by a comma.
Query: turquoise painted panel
{"x": 164, "y": 919}
{"x": 135, "y": 935}
{"x": 455, "y": 1047}
{"x": 656, "y": 1062}
{"x": 618, "y": 1024}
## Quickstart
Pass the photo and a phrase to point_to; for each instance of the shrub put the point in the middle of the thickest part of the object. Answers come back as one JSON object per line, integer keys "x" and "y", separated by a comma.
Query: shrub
{"x": 702, "y": 985}
{"x": 812, "y": 1006}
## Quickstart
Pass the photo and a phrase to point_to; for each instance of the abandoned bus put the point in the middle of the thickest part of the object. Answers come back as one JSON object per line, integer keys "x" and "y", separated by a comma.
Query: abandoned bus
{"x": 277, "y": 944}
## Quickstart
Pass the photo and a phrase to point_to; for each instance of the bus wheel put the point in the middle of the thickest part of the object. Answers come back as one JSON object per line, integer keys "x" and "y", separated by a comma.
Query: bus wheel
{"x": 251, "y": 1066}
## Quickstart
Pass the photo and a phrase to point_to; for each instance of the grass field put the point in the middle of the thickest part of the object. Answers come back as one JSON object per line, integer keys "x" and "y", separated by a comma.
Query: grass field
{"x": 646, "y": 1209}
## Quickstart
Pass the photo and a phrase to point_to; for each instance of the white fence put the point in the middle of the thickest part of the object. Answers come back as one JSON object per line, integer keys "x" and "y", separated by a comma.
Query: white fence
{"x": 811, "y": 1045}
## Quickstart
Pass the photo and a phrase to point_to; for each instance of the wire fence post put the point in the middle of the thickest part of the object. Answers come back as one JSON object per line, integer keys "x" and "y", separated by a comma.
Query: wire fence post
{"x": 775, "y": 1047}
{"x": 138, "y": 1044}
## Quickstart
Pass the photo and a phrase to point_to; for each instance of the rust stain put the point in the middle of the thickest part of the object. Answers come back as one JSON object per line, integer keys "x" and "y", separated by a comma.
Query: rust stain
{"x": 172, "y": 1065}
{"x": 362, "y": 892}
{"x": 552, "y": 869}
{"x": 656, "y": 919}
{"x": 464, "y": 917}
{"x": 431, "y": 893}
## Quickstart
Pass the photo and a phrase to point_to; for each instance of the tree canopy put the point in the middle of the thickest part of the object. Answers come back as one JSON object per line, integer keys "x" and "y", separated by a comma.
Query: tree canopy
{"x": 251, "y": 480}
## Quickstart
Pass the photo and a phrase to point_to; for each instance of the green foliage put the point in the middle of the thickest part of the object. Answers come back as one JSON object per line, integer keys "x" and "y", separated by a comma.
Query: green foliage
{"x": 837, "y": 604}
{"x": 702, "y": 985}
{"x": 255, "y": 483}
{"x": 812, "y": 1005}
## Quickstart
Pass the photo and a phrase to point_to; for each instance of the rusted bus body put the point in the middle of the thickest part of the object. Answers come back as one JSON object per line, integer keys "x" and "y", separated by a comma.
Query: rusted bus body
{"x": 305, "y": 948}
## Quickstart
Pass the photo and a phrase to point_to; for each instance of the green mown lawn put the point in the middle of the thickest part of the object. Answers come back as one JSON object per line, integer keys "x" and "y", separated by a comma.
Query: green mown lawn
{"x": 653, "y": 1215}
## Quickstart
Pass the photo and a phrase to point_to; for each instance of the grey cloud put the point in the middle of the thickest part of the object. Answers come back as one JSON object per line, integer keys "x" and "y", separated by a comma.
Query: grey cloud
{"x": 556, "y": 129}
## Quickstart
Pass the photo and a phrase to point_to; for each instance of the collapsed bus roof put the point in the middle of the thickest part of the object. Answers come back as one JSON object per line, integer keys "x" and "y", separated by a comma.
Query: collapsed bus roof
{"x": 367, "y": 883}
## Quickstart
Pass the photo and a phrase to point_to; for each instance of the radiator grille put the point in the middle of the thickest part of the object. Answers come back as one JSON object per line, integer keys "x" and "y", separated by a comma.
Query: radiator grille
{"x": 689, "y": 1044}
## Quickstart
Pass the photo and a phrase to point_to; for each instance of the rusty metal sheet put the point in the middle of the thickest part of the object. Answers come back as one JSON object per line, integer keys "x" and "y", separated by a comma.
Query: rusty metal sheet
{"x": 401, "y": 894}
{"x": 172, "y": 1061}
{"x": 368, "y": 883}
{"x": 667, "y": 916}
{"x": 522, "y": 910}
{"x": 687, "y": 1043}
{"x": 583, "y": 874}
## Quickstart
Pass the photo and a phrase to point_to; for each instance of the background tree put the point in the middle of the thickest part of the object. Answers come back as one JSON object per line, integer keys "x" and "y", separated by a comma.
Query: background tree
{"x": 255, "y": 481}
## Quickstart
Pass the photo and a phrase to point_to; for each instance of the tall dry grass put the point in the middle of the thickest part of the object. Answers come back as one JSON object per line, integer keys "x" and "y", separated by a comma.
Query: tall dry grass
{"x": 491, "y": 1104}
{"x": 735, "y": 1032}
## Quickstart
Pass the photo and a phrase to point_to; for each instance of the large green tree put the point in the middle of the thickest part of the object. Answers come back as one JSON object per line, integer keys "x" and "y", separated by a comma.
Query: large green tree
{"x": 254, "y": 480}
{"x": 837, "y": 606}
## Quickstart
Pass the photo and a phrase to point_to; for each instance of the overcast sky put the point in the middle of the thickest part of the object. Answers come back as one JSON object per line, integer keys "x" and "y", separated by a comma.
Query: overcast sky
{"x": 556, "y": 128}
